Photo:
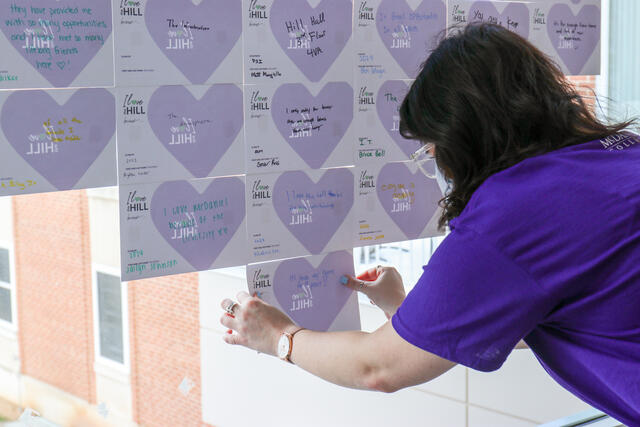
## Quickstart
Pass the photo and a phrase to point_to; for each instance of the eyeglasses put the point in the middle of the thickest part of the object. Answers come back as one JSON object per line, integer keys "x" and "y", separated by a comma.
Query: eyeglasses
{"x": 421, "y": 156}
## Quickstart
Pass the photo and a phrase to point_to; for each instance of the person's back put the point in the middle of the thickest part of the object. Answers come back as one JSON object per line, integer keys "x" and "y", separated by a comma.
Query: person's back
{"x": 571, "y": 220}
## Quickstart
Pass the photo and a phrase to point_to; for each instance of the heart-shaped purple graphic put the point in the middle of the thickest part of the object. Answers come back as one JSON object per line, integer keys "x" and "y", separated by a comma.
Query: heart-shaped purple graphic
{"x": 312, "y": 37}
{"x": 410, "y": 199}
{"x": 313, "y": 126}
{"x": 176, "y": 208}
{"x": 196, "y": 39}
{"x": 390, "y": 97}
{"x": 574, "y": 37}
{"x": 60, "y": 142}
{"x": 196, "y": 132}
{"x": 313, "y": 297}
{"x": 409, "y": 34}
{"x": 514, "y": 17}
{"x": 57, "y": 45}
{"x": 313, "y": 212}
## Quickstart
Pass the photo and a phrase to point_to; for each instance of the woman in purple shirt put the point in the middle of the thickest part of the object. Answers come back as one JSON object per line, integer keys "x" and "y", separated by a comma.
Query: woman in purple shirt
{"x": 543, "y": 203}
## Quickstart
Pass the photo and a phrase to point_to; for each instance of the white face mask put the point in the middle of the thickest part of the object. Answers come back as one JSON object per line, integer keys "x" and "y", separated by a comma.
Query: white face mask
{"x": 445, "y": 184}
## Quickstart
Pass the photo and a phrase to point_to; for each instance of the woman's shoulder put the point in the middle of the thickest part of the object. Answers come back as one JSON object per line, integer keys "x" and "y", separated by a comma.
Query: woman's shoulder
{"x": 559, "y": 186}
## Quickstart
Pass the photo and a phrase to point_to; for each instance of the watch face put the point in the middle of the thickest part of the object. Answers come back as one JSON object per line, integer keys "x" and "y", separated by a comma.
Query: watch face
{"x": 283, "y": 346}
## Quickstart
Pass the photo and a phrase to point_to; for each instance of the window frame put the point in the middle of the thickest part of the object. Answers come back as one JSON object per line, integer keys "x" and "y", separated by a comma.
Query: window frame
{"x": 602, "y": 79}
{"x": 12, "y": 326}
{"x": 428, "y": 247}
{"x": 124, "y": 304}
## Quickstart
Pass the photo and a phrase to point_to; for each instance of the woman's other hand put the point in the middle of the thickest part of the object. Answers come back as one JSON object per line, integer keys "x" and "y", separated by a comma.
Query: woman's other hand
{"x": 254, "y": 323}
{"x": 383, "y": 286}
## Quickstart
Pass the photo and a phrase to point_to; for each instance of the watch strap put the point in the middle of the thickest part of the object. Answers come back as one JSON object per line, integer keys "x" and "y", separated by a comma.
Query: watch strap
{"x": 290, "y": 336}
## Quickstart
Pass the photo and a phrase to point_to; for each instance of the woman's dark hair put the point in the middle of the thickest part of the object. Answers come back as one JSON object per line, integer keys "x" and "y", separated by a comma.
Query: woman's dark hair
{"x": 488, "y": 99}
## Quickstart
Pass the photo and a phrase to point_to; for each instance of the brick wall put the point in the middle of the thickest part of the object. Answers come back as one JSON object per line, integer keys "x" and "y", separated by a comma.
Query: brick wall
{"x": 53, "y": 272}
{"x": 165, "y": 348}
{"x": 585, "y": 86}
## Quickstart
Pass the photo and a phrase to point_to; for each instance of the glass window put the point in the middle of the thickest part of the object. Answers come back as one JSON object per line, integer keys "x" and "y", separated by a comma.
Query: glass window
{"x": 5, "y": 305}
{"x": 624, "y": 63}
{"x": 110, "y": 317}
{"x": 5, "y": 286}
{"x": 408, "y": 257}
{"x": 5, "y": 275}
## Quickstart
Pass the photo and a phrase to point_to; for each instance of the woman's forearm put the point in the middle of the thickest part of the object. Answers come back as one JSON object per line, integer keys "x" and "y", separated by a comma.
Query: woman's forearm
{"x": 343, "y": 358}
{"x": 381, "y": 360}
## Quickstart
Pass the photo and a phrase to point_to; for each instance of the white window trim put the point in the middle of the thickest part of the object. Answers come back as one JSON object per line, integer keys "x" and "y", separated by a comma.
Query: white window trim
{"x": 123, "y": 368}
{"x": 602, "y": 80}
{"x": 11, "y": 327}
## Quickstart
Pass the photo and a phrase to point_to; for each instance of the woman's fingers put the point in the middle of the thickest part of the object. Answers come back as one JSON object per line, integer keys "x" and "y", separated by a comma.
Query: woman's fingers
{"x": 226, "y": 303}
{"x": 229, "y": 322}
{"x": 234, "y": 339}
{"x": 369, "y": 275}
{"x": 242, "y": 297}
{"x": 355, "y": 284}
{"x": 372, "y": 274}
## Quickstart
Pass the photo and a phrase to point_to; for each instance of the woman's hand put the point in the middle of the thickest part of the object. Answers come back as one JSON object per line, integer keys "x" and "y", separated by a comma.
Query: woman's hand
{"x": 257, "y": 325}
{"x": 383, "y": 286}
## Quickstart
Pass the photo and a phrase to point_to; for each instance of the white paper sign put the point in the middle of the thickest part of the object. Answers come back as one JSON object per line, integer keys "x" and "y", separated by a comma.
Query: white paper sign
{"x": 567, "y": 31}
{"x": 299, "y": 213}
{"x": 394, "y": 37}
{"x": 308, "y": 290}
{"x": 296, "y": 126}
{"x": 298, "y": 41}
{"x": 570, "y": 33}
{"x": 182, "y": 226}
{"x": 56, "y": 140}
{"x": 47, "y": 44}
{"x": 377, "y": 122}
{"x": 179, "y": 132}
{"x": 395, "y": 202}
{"x": 163, "y": 42}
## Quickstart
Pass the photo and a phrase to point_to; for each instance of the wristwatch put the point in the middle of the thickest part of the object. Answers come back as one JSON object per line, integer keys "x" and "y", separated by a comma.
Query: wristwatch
{"x": 285, "y": 345}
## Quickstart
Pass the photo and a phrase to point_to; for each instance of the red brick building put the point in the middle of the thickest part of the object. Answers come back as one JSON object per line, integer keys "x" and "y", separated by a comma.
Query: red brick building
{"x": 59, "y": 373}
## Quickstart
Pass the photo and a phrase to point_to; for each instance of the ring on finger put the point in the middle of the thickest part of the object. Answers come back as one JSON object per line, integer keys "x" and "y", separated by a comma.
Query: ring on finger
{"x": 231, "y": 307}
{"x": 362, "y": 284}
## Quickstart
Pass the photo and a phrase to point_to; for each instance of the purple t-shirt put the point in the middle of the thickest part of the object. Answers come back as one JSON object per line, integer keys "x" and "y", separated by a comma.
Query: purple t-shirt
{"x": 547, "y": 250}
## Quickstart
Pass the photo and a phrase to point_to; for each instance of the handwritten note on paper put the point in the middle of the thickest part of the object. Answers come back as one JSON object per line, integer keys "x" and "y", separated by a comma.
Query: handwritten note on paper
{"x": 393, "y": 37}
{"x": 575, "y": 36}
{"x": 178, "y": 42}
{"x": 56, "y": 140}
{"x": 180, "y": 132}
{"x": 295, "y": 126}
{"x": 308, "y": 290}
{"x": 292, "y": 41}
{"x": 47, "y": 44}
{"x": 566, "y": 30}
{"x": 378, "y": 122}
{"x": 294, "y": 213}
{"x": 181, "y": 226}
{"x": 395, "y": 202}
{"x": 514, "y": 16}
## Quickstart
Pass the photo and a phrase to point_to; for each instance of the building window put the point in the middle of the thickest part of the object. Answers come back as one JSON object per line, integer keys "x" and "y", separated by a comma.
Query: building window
{"x": 408, "y": 257}
{"x": 624, "y": 63}
{"x": 110, "y": 315}
{"x": 6, "y": 312}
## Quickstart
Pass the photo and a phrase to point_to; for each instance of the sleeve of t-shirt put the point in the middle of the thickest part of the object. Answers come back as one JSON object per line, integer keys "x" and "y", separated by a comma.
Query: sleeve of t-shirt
{"x": 472, "y": 304}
